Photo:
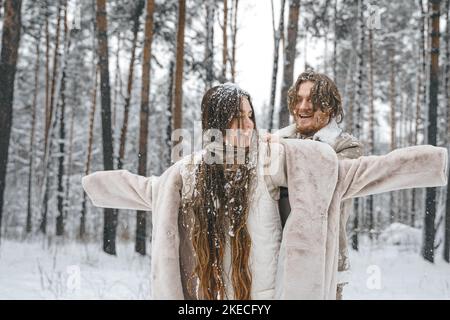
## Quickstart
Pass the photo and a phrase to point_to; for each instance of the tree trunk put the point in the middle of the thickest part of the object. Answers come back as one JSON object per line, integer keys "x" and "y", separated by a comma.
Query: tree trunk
{"x": 89, "y": 150}
{"x": 126, "y": 109}
{"x": 143, "y": 129}
{"x": 351, "y": 110}
{"x": 28, "y": 227}
{"x": 67, "y": 205}
{"x": 168, "y": 143}
{"x": 335, "y": 44}
{"x": 276, "y": 50}
{"x": 358, "y": 119}
{"x": 349, "y": 93}
{"x": 49, "y": 115}
{"x": 447, "y": 99}
{"x": 43, "y": 222}
{"x": 358, "y": 125}
{"x": 47, "y": 75}
{"x": 430, "y": 212}
{"x": 117, "y": 83}
{"x": 225, "y": 41}
{"x": 234, "y": 30}
{"x": 371, "y": 127}
{"x": 418, "y": 117}
{"x": 62, "y": 138}
{"x": 209, "y": 44}
{"x": 8, "y": 62}
{"x": 110, "y": 215}
{"x": 49, "y": 121}
{"x": 289, "y": 60}
{"x": 393, "y": 125}
{"x": 424, "y": 47}
{"x": 355, "y": 233}
{"x": 178, "y": 99}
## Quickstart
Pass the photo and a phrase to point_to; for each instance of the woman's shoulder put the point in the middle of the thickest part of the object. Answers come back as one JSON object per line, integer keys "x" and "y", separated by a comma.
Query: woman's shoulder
{"x": 187, "y": 168}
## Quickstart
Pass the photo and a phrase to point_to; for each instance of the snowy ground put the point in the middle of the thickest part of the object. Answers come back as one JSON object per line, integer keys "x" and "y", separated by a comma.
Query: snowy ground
{"x": 72, "y": 271}
{"x": 391, "y": 267}
{"x": 78, "y": 271}
{"x": 390, "y": 272}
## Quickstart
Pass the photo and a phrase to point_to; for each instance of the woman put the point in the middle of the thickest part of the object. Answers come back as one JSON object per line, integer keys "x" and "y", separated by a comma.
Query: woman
{"x": 219, "y": 237}
{"x": 217, "y": 233}
{"x": 221, "y": 196}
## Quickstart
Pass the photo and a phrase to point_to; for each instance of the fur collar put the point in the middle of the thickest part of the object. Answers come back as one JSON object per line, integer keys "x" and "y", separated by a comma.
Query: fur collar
{"x": 327, "y": 134}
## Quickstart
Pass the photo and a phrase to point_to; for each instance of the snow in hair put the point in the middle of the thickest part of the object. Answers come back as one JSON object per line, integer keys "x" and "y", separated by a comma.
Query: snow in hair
{"x": 220, "y": 104}
{"x": 226, "y": 89}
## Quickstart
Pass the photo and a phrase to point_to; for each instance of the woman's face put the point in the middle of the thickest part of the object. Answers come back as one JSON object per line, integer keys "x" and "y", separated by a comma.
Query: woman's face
{"x": 241, "y": 127}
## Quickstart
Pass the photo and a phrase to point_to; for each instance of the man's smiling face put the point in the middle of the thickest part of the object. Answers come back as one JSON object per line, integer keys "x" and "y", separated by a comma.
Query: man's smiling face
{"x": 308, "y": 120}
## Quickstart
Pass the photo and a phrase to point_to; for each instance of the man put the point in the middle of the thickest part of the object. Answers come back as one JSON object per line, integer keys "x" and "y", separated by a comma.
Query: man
{"x": 315, "y": 103}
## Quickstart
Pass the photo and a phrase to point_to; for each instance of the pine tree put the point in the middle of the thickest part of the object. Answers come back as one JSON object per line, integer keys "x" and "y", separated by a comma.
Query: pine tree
{"x": 8, "y": 66}
{"x": 430, "y": 212}
{"x": 277, "y": 35}
{"x": 209, "y": 44}
{"x": 87, "y": 166}
{"x": 447, "y": 99}
{"x": 28, "y": 227}
{"x": 62, "y": 134}
{"x": 393, "y": 125}
{"x": 50, "y": 118}
{"x": 144, "y": 114}
{"x": 110, "y": 215}
{"x": 225, "y": 41}
{"x": 290, "y": 55}
{"x": 234, "y": 30}
{"x": 358, "y": 122}
{"x": 178, "y": 97}
{"x": 371, "y": 125}
{"x": 126, "y": 109}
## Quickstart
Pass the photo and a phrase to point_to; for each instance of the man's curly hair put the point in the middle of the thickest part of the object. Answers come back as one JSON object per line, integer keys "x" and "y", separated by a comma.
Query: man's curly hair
{"x": 324, "y": 94}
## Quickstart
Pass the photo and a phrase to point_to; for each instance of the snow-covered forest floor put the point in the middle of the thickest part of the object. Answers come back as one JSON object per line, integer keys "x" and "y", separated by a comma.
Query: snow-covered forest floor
{"x": 72, "y": 271}
{"x": 388, "y": 268}
{"x": 404, "y": 274}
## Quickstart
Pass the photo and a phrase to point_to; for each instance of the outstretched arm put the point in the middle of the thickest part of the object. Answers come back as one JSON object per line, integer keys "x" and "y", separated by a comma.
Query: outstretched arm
{"x": 412, "y": 167}
{"x": 119, "y": 189}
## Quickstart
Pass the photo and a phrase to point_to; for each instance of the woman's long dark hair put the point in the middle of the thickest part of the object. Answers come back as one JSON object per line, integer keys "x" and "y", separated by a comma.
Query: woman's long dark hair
{"x": 220, "y": 204}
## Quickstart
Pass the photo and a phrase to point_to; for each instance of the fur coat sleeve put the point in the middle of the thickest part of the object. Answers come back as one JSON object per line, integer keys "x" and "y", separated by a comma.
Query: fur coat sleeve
{"x": 412, "y": 167}
{"x": 318, "y": 182}
{"x": 119, "y": 189}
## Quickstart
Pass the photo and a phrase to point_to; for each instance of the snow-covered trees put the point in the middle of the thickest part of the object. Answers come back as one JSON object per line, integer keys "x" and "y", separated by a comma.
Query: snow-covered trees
{"x": 73, "y": 124}
{"x": 67, "y": 123}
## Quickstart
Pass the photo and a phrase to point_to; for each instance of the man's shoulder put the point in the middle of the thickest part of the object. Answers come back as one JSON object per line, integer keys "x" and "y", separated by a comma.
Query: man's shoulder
{"x": 348, "y": 140}
{"x": 348, "y": 145}
{"x": 286, "y": 132}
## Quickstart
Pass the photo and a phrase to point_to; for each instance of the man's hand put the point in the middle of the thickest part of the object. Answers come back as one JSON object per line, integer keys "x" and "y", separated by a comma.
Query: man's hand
{"x": 267, "y": 137}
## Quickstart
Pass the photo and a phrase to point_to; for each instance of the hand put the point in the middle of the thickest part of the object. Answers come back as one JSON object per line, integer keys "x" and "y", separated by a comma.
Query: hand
{"x": 271, "y": 138}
